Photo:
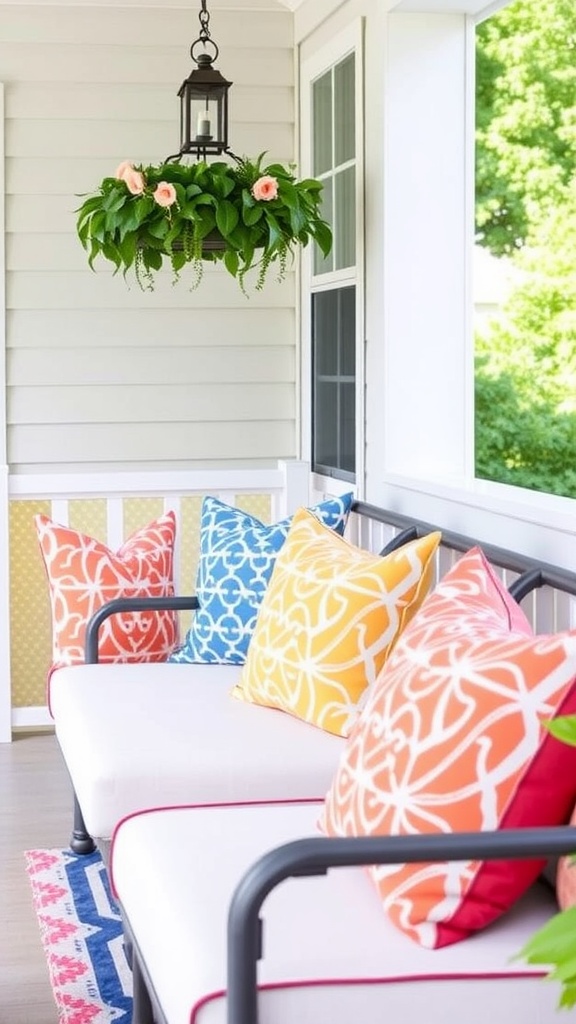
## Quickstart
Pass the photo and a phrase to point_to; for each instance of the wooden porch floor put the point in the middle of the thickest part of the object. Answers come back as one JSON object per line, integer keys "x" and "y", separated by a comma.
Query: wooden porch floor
{"x": 35, "y": 811}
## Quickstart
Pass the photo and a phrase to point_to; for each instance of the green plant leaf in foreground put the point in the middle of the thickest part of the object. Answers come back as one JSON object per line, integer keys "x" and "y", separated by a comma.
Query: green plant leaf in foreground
{"x": 563, "y": 728}
{"x": 554, "y": 945}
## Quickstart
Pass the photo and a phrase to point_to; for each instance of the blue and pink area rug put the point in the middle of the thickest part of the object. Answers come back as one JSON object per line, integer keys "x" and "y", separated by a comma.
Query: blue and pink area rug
{"x": 81, "y": 933}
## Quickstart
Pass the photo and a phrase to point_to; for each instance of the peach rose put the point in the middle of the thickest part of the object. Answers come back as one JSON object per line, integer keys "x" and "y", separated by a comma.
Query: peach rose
{"x": 134, "y": 181}
{"x": 165, "y": 193}
{"x": 265, "y": 188}
{"x": 122, "y": 168}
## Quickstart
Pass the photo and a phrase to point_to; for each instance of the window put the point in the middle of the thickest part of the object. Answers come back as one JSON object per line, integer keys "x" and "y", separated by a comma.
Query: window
{"x": 525, "y": 413}
{"x": 334, "y": 378}
{"x": 334, "y": 307}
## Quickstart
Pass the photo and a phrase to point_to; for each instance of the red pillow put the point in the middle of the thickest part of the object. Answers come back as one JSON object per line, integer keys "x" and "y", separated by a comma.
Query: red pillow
{"x": 83, "y": 574}
{"x": 450, "y": 740}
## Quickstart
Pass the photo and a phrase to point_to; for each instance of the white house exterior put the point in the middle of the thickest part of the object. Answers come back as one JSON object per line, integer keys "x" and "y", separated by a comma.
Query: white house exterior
{"x": 110, "y": 392}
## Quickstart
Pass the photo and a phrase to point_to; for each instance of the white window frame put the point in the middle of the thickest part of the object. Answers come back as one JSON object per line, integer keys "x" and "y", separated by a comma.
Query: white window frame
{"x": 350, "y": 40}
{"x": 427, "y": 464}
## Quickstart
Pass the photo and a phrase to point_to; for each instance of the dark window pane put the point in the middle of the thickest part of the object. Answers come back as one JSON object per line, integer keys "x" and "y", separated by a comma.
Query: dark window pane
{"x": 326, "y": 333}
{"x": 334, "y": 383}
{"x": 326, "y": 435}
{"x": 347, "y": 332}
{"x": 347, "y": 431}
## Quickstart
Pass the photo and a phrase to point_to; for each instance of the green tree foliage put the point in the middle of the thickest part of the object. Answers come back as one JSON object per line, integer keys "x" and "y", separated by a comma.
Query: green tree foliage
{"x": 525, "y": 118}
{"x": 526, "y": 366}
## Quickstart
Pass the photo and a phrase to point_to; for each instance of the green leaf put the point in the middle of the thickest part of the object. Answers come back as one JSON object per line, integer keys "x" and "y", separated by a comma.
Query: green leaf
{"x": 180, "y": 192}
{"x": 83, "y": 231}
{"x": 323, "y": 235}
{"x": 310, "y": 185}
{"x": 95, "y": 249}
{"x": 178, "y": 260}
{"x": 89, "y": 206}
{"x": 143, "y": 207}
{"x": 274, "y": 232}
{"x": 231, "y": 262}
{"x": 298, "y": 220}
{"x": 226, "y": 217}
{"x": 204, "y": 199}
{"x": 98, "y": 226}
{"x": 565, "y": 971}
{"x": 553, "y": 944}
{"x": 228, "y": 185}
{"x": 159, "y": 228}
{"x": 205, "y": 221}
{"x": 173, "y": 234}
{"x": 152, "y": 259}
{"x": 563, "y": 728}
{"x": 568, "y": 997}
{"x": 289, "y": 195}
{"x": 127, "y": 249}
{"x": 111, "y": 253}
{"x": 115, "y": 200}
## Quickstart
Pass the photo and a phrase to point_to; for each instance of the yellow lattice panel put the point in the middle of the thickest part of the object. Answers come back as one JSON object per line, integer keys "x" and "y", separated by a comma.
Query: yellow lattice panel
{"x": 188, "y": 541}
{"x": 138, "y": 512}
{"x": 30, "y": 625}
{"x": 88, "y": 515}
{"x": 259, "y": 505}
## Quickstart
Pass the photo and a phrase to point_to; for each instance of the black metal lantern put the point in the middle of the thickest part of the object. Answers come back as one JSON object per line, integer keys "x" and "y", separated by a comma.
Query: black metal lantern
{"x": 204, "y": 99}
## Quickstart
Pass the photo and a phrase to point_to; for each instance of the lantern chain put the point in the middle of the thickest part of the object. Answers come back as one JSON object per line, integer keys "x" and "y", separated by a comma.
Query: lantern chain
{"x": 204, "y": 19}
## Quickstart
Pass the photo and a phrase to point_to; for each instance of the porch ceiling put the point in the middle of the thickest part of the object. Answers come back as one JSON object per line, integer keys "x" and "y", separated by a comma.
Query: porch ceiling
{"x": 475, "y": 7}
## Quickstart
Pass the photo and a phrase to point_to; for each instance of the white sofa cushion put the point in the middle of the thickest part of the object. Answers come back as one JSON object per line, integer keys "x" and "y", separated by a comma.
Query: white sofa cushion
{"x": 330, "y": 953}
{"x": 151, "y": 735}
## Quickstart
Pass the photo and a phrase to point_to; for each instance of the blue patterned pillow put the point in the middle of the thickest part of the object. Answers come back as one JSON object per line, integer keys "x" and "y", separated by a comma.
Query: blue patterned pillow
{"x": 237, "y": 555}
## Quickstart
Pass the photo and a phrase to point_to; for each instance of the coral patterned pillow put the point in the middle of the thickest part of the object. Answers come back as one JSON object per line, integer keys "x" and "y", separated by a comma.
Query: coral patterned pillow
{"x": 83, "y": 574}
{"x": 330, "y": 617}
{"x": 451, "y": 740}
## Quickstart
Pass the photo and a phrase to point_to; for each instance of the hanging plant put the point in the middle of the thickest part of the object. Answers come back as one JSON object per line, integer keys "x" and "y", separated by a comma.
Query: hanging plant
{"x": 242, "y": 214}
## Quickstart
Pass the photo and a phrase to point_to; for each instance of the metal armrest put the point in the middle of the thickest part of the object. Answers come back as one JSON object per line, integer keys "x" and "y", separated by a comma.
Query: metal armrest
{"x": 129, "y": 604}
{"x": 315, "y": 856}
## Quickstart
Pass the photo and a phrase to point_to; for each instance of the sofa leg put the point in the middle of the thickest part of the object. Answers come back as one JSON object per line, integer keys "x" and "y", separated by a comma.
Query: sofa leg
{"x": 80, "y": 841}
{"x": 142, "y": 1012}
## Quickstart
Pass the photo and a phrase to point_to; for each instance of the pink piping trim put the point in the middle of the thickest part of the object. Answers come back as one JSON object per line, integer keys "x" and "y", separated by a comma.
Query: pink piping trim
{"x": 201, "y": 807}
{"x": 394, "y": 980}
{"x": 51, "y": 671}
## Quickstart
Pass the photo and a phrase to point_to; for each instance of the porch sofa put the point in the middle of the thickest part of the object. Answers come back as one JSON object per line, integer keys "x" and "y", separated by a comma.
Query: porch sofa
{"x": 212, "y": 806}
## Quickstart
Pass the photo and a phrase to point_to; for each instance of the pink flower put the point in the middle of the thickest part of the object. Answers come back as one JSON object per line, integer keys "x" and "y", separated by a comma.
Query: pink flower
{"x": 265, "y": 188}
{"x": 122, "y": 168}
{"x": 134, "y": 181}
{"x": 165, "y": 194}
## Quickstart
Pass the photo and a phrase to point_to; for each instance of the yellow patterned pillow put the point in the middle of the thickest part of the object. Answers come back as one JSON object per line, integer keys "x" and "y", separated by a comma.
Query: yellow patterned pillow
{"x": 328, "y": 621}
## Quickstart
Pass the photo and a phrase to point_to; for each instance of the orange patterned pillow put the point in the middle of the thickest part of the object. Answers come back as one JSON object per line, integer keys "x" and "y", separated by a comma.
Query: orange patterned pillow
{"x": 83, "y": 574}
{"x": 450, "y": 740}
{"x": 328, "y": 621}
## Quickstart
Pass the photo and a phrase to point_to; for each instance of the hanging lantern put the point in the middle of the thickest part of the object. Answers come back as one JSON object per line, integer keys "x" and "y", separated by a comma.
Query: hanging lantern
{"x": 204, "y": 99}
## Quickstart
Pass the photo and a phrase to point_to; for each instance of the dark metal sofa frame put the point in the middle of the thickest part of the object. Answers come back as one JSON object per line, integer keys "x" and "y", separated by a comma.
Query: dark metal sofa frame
{"x": 315, "y": 856}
